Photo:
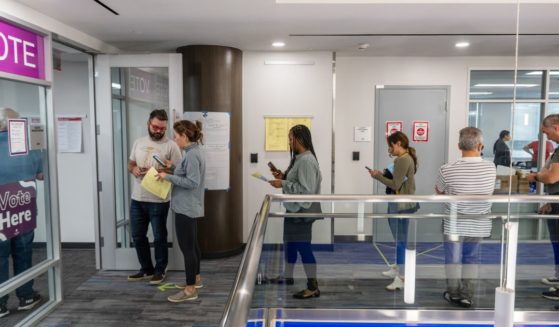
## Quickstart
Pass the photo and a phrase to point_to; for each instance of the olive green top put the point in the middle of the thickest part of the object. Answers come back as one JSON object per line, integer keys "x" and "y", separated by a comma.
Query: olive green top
{"x": 553, "y": 188}
{"x": 403, "y": 179}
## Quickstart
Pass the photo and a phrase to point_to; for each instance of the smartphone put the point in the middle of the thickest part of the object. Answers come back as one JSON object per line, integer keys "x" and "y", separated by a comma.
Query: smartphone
{"x": 159, "y": 160}
{"x": 272, "y": 167}
{"x": 367, "y": 168}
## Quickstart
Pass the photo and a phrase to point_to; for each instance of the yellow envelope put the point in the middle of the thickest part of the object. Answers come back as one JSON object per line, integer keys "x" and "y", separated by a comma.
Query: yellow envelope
{"x": 159, "y": 188}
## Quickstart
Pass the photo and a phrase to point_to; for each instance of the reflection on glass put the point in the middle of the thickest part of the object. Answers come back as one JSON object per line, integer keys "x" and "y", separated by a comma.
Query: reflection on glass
{"x": 24, "y": 209}
{"x": 135, "y": 93}
{"x": 553, "y": 84}
{"x": 499, "y": 84}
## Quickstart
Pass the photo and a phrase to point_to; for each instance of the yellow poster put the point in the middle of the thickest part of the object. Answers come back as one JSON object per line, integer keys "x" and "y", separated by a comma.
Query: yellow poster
{"x": 277, "y": 130}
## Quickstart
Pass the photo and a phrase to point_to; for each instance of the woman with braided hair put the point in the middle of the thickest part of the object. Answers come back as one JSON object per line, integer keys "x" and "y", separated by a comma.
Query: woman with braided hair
{"x": 301, "y": 177}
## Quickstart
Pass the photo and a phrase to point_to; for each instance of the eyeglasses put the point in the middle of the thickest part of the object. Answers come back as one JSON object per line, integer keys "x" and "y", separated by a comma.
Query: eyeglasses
{"x": 157, "y": 128}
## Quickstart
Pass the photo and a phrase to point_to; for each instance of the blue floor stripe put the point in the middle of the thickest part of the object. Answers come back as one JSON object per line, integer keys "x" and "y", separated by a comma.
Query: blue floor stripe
{"x": 357, "y": 324}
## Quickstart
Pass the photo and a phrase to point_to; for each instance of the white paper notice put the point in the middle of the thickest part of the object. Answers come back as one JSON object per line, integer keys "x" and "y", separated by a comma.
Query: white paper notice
{"x": 216, "y": 127}
{"x": 69, "y": 134}
{"x": 17, "y": 136}
{"x": 362, "y": 134}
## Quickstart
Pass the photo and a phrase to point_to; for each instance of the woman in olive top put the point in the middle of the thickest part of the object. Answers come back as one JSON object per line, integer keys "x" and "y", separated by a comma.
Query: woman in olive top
{"x": 402, "y": 182}
{"x": 187, "y": 201}
{"x": 301, "y": 177}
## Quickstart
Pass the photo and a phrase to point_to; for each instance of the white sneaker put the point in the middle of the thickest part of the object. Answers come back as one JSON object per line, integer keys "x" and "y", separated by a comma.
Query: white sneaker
{"x": 551, "y": 281}
{"x": 392, "y": 272}
{"x": 397, "y": 284}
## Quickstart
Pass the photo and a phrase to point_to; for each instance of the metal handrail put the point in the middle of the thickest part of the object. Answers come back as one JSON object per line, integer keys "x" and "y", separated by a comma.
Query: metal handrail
{"x": 238, "y": 305}
{"x": 411, "y": 216}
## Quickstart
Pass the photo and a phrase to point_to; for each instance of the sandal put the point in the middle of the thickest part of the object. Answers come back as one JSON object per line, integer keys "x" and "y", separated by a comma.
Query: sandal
{"x": 307, "y": 294}
{"x": 452, "y": 300}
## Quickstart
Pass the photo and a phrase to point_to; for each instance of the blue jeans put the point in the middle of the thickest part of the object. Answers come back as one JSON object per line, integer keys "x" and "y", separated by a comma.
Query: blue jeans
{"x": 399, "y": 229}
{"x": 21, "y": 249}
{"x": 141, "y": 215}
{"x": 462, "y": 259}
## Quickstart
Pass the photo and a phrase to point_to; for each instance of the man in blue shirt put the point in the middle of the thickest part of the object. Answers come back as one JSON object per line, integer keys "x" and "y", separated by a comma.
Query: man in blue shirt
{"x": 12, "y": 170}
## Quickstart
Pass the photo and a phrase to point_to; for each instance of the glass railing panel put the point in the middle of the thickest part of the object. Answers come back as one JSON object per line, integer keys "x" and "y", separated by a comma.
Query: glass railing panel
{"x": 358, "y": 269}
{"x": 537, "y": 260}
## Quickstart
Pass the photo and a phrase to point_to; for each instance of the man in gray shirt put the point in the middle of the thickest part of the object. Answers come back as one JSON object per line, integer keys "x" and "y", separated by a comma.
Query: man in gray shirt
{"x": 145, "y": 207}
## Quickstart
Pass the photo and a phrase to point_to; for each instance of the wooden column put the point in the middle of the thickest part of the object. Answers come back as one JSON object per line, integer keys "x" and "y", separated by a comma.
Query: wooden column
{"x": 212, "y": 81}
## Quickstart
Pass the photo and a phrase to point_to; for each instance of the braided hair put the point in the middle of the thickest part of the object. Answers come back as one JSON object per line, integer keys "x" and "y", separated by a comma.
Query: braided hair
{"x": 301, "y": 134}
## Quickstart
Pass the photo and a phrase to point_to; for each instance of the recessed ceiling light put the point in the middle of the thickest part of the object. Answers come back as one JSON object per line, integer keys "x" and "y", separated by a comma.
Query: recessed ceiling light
{"x": 505, "y": 85}
{"x": 278, "y": 44}
{"x": 363, "y": 46}
{"x": 462, "y": 44}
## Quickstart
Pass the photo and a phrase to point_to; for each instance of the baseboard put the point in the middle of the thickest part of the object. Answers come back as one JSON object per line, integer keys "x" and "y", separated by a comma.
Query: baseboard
{"x": 315, "y": 247}
{"x": 67, "y": 245}
{"x": 352, "y": 239}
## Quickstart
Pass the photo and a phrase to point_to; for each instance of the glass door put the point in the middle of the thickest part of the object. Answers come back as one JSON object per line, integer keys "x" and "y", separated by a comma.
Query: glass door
{"x": 129, "y": 88}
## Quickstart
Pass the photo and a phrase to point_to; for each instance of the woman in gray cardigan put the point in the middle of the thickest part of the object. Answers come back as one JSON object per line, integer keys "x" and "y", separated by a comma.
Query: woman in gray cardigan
{"x": 301, "y": 177}
{"x": 187, "y": 201}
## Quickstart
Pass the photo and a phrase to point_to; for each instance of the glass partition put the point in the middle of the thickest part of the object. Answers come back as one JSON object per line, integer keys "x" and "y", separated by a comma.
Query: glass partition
{"x": 351, "y": 279}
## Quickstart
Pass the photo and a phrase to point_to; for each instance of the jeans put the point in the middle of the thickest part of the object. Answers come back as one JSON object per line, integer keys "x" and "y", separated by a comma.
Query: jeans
{"x": 462, "y": 259}
{"x": 141, "y": 215}
{"x": 399, "y": 229}
{"x": 307, "y": 257}
{"x": 553, "y": 227}
{"x": 187, "y": 236}
{"x": 21, "y": 249}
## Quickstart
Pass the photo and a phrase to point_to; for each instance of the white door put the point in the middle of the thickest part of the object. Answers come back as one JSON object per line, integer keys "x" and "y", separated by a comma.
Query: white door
{"x": 128, "y": 88}
{"x": 409, "y": 104}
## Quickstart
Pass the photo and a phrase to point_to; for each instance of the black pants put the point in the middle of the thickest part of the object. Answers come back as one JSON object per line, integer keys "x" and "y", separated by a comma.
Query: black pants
{"x": 187, "y": 235}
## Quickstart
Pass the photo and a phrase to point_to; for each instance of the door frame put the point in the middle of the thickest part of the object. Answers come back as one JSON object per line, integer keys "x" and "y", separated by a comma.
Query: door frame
{"x": 111, "y": 257}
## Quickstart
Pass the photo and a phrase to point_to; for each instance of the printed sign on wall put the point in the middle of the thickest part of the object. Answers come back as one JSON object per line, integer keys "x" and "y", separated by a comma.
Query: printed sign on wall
{"x": 18, "y": 209}
{"x": 17, "y": 137}
{"x": 277, "y": 131}
{"x": 393, "y": 126}
{"x": 421, "y": 131}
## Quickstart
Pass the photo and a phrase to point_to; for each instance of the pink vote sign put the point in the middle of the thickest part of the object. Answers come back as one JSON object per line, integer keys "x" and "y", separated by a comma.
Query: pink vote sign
{"x": 22, "y": 52}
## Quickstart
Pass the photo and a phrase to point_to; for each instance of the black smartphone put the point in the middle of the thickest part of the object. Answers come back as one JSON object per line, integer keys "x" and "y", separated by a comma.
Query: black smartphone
{"x": 367, "y": 168}
{"x": 272, "y": 167}
{"x": 159, "y": 160}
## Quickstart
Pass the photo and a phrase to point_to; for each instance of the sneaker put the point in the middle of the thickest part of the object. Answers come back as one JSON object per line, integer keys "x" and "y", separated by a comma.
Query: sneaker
{"x": 157, "y": 279}
{"x": 552, "y": 281}
{"x": 392, "y": 272}
{"x": 139, "y": 276}
{"x": 181, "y": 296}
{"x": 552, "y": 295}
{"x": 4, "y": 311}
{"x": 181, "y": 286}
{"x": 397, "y": 284}
{"x": 28, "y": 304}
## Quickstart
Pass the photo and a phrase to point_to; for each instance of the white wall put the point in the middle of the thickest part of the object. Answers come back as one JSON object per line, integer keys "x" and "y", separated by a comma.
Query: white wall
{"x": 284, "y": 90}
{"x": 75, "y": 170}
{"x": 355, "y": 99}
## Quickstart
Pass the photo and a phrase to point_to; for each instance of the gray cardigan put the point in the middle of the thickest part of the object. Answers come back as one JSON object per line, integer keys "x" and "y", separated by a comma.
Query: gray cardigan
{"x": 303, "y": 178}
{"x": 188, "y": 182}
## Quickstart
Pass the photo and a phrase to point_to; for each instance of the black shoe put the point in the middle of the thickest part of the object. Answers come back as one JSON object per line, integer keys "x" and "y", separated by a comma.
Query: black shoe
{"x": 282, "y": 280}
{"x": 139, "y": 276}
{"x": 28, "y": 304}
{"x": 552, "y": 295}
{"x": 307, "y": 294}
{"x": 4, "y": 310}
{"x": 451, "y": 299}
{"x": 157, "y": 279}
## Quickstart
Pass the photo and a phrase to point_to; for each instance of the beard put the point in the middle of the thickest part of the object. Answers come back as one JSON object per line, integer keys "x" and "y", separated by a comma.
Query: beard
{"x": 155, "y": 135}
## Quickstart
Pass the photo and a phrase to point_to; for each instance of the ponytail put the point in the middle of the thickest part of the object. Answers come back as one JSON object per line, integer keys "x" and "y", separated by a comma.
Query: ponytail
{"x": 413, "y": 154}
{"x": 193, "y": 131}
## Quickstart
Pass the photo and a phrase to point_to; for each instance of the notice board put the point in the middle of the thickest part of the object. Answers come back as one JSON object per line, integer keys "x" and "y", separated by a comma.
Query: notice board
{"x": 277, "y": 130}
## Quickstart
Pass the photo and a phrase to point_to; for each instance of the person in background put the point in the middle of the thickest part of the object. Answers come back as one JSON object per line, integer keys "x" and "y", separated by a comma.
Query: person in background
{"x": 301, "y": 177}
{"x": 533, "y": 149}
{"x": 402, "y": 182}
{"x": 549, "y": 175}
{"x": 146, "y": 208}
{"x": 501, "y": 150}
{"x": 469, "y": 175}
{"x": 187, "y": 202}
{"x": 12, "y": 170}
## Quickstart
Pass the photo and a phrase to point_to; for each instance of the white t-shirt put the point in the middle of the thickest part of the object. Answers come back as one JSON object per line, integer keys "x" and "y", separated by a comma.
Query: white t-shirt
{"x": 467, "y": 176}
{"x": 142, "y": 153}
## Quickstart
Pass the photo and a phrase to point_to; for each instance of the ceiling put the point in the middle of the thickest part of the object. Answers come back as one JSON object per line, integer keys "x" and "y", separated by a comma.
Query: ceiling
{"x": 162, "y": 26}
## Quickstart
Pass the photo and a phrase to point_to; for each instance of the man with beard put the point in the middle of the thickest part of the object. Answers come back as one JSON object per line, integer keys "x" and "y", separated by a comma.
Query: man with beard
{"x": 147, "y": 208}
